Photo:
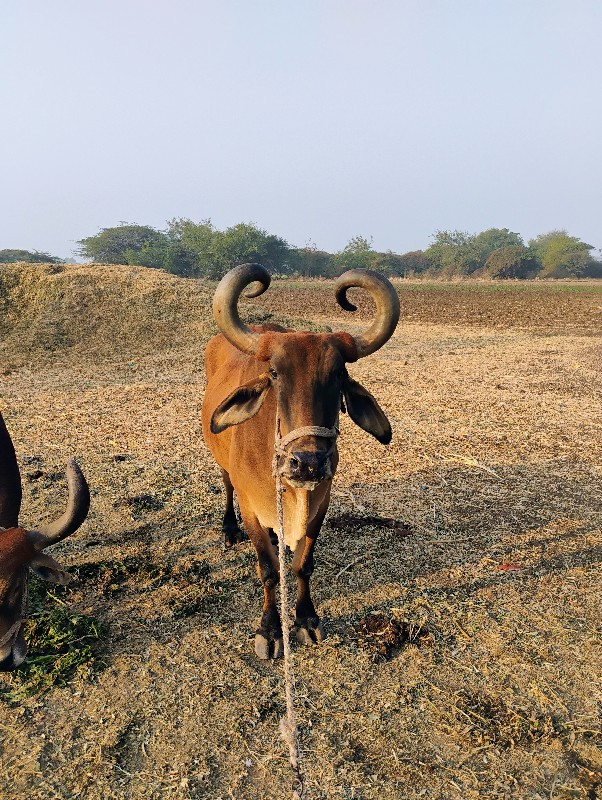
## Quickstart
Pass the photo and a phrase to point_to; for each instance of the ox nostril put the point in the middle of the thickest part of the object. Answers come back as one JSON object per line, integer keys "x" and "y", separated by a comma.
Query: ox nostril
{"x": 310, "y": 464}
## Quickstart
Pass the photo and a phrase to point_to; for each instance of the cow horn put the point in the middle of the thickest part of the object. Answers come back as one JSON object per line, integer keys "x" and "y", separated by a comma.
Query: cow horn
{"x": 387, "y": 306}
{"x": 225, "y": 310}
{"x": 77, "y": 510}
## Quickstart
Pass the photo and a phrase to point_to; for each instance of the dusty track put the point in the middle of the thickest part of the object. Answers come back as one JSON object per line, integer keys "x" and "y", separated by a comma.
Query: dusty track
{"x": 496, "y": 463}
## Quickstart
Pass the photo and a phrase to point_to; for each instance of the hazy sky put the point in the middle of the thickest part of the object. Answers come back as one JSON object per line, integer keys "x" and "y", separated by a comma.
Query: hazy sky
{"x": 316, "y": 119}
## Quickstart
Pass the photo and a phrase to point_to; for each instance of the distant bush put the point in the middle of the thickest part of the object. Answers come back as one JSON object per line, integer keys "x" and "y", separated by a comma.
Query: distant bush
{"x": 561, "y": 255}
{"x": 406, "y": 265}
{"x": 593, "y": 269}
{"x": 309, "y": 262}
{"x": 125, "y": 244}
{"x": 31, "y": 256}
{"x": 511, "y": 261}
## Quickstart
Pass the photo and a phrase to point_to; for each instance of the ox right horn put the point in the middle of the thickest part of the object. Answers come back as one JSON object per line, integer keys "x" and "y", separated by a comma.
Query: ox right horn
{"x": 225, "y": 304}
{"x": 387, "y": 306}
{"x": 78, "y": 505}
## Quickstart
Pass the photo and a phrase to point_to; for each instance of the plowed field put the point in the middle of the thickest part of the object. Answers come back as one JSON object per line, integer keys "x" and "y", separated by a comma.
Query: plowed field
{"x": 458, "y": 571}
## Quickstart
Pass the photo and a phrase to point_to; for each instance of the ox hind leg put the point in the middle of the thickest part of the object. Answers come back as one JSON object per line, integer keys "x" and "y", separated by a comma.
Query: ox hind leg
{"x": 308, "y": 626}
{"x": 268, "y": 637}
{"x": 232, "y": 533}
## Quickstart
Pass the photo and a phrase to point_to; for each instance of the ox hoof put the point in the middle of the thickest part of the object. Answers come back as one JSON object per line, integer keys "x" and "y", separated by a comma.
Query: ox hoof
{"x": 267, "y": 647}
{"x": 233, "y": 536}
{"x": 310, "y": 630}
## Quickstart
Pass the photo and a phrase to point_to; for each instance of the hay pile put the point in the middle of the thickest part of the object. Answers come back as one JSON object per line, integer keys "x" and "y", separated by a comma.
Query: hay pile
{"x": 84, "y": 315}
{"x": 460, "y": 596}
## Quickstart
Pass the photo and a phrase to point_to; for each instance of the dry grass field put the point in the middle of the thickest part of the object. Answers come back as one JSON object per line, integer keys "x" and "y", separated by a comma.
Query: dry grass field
{"x": 463, "y": 655}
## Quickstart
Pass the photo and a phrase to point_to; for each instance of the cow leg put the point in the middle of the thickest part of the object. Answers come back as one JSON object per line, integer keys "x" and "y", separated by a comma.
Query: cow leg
{"x": 268, "y": 637}
{"x": 308, "y": 625}
{"x": 232, "y": 533}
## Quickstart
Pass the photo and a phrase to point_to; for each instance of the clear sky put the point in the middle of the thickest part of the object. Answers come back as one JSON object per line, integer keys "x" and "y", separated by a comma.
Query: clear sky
{"x": 315, "y": 119}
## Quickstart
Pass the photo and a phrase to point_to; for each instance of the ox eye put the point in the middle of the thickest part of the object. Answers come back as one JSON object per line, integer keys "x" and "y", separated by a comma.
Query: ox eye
{"x": 273, "y": 373}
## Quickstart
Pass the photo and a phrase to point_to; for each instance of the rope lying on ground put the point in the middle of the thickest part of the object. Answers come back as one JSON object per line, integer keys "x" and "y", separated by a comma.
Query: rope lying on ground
{"x": 288, "y": 725}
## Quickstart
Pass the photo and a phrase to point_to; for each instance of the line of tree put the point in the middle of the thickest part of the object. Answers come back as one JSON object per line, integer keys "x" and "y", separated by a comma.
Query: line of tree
{"x": 200, "y": 250}
{"x": 30, "y": 256}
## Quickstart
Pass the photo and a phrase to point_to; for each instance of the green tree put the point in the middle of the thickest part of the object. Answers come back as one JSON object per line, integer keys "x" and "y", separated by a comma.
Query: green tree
{"x": 405, "y": 265}
{"x": 493, "y": 239}
{"x": 309, "y": 262}
{"x": 561, "y": 255}
{"x": 453, "y": 253}
{"x": 246, "y": 242}
{"x": 125, "y": 244}
{"x": 31, "y": 256}
{"x": 191, "y": 250}
{"x": 150, "y": 254}
{"x": 594, "y": 269}
{"x": 357, "y": 254}
{"x": 389, "y": 263}
{"x": 511, "y": 261}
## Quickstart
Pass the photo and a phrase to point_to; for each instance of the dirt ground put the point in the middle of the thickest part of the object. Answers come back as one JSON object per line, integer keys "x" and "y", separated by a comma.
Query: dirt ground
{"x": 458, "y": 572}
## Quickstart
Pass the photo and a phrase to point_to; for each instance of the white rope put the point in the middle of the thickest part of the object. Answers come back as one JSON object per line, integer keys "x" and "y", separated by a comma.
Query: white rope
{"x": 288, "y": 725}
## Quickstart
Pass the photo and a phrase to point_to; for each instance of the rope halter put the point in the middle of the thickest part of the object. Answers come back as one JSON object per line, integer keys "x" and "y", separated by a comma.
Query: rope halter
{"x": 281, "y": 442}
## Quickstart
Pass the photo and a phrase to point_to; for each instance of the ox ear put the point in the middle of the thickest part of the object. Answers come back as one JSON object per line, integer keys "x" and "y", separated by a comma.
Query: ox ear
{"x": 48, "y": 569}
{"x": 242, "y": 404}
{"x": 365, "y": 411}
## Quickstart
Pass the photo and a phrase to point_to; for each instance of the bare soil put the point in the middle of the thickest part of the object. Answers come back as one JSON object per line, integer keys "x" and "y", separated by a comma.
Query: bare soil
{"x": 461, "y": 592}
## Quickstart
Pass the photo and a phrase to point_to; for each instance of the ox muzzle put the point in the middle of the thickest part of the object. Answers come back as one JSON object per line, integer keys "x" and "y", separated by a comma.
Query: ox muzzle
{"x": 304, "y": 468}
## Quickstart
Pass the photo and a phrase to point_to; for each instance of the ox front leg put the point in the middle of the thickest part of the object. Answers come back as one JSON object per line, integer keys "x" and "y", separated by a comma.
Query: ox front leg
{"x": 308, "y": 625}
{"x": 232, "y": 533}
{"x": 268, "y": 637}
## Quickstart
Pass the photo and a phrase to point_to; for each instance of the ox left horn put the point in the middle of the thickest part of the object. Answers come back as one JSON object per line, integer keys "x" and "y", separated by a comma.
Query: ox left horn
{"x": 225, "y": 308}
{"x": 78, "y": 505}
{"x": 387, "y": 306}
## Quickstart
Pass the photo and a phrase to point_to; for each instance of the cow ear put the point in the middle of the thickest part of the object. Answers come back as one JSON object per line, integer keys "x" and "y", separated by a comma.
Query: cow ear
{"x": 48, "y": 569}
{"x": 365, "y": 411}
{"x": 242, "y": 404}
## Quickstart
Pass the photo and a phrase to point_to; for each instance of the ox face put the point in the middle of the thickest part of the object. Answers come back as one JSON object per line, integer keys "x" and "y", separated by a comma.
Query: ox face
{"x": 308, "y": 376}
{"x": 18, "y": 555}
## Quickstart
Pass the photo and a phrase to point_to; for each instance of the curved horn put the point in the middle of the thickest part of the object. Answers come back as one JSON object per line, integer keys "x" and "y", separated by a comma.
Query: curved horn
{"x": 225, "y": 310}
{"x": 387, "y": 306}
{"x": 77, "y": 510}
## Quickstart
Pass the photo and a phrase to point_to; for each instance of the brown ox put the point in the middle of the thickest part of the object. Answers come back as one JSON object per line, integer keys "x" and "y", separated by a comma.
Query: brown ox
{"x": 253, "y": 373}
{"x": 21, "y": 550}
